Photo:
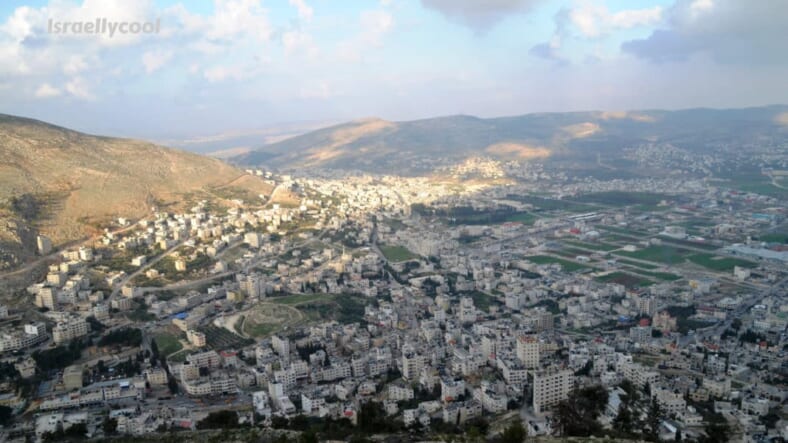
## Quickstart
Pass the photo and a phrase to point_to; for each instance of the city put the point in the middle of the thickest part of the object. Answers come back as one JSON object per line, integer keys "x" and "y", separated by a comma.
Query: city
{"x": 447, "y": 308}
{"x": 393, "y": 221}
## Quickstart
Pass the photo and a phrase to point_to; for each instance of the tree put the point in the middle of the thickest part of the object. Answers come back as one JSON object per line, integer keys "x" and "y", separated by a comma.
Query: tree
{"x": 654, "y": 420}
{"x": 154, "y": 349}
{"x": 172, "y": 384}
{"x": 577, "y": 415}
{"x": 514, "y": 433}
{"x": 717, "y": 432}
{"x": 219, "y": 420}
{"x": 624, "y": 421}
{"x": 6, "y": 414}
{"x": 110, "y": 426}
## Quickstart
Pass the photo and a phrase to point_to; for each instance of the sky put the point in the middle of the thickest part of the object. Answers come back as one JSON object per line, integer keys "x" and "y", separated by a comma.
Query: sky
{"x": 227, "y": 65}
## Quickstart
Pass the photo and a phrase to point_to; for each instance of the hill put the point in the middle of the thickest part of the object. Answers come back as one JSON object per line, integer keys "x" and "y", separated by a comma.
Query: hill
{"x": 411, "y": 146}
{"x": 65, "y": 184}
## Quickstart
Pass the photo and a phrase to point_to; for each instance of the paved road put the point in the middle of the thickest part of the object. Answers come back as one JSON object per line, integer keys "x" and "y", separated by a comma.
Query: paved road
{"x": 143, "y": 268}
{"x": 27, "y": 268}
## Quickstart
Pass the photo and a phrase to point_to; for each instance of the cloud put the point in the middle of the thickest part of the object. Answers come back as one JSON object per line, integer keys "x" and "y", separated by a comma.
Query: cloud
{"x": 480, "y": 15}
{"x": 305, "y": 12}
{"x": 728, "y": 31}
{"x": 375, "y": 24}
{"x": 47, "y": 91}
{"x": 154, "y": 60}
{"x": 75, "y": 65}
{"x": 297, "y": 41}
{"x": 318, "y": 90}
{"x": 594, "y": 20}
{"x": 79, "y": 88}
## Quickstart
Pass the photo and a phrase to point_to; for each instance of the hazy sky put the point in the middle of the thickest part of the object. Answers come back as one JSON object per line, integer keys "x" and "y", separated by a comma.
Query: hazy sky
{"x": 239, "y": 64}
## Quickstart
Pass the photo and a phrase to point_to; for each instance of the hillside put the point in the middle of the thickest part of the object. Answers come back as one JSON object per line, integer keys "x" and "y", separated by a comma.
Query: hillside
{"x": 380, "y": 145}
{"x": 64, "y": 183}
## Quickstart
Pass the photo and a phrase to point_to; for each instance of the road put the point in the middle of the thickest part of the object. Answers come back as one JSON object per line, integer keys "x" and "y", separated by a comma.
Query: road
{"x": 143, "y": 268}
{"x": 27, "y": 268}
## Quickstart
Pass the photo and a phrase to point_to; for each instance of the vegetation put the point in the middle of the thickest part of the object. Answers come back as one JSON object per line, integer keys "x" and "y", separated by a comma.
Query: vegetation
{"x": 221, "y": 338}
{"x": 397, "y": 253}
{"x": 483, "y": 301}
{"x": 59, "y": 357}
{"x": 721, "y": 264}
{"x": 167, "y": 343}
{"x": 661, "y": 254}
{"x": 514, "y": 433}
{"x": 567, "y": 265}
{"x": 122, "y": 337}
{"x": 551, "y": 204}
{"x": 219, "y": 420}
{"x": 577, "y": 415}
{"x": 628, "y": 280}
{"x": 623, "y": 198}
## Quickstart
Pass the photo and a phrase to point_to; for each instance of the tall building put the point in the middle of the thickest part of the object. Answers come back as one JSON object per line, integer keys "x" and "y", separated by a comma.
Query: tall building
{"x": 647, "y": 306}
{"x": 550, "y": 387}
{"x": 196, "y": 338}
{"x": 412, "y": 364}
{"x": 70, "y": 329}
{"x": 253, "y": 286}
{"x": 528, "y": 351}
{"x": 544, "y": 320}
{"x": 46, "y": 298}
{"x": 44, "y": 245}
{"x": 281, "y": 346}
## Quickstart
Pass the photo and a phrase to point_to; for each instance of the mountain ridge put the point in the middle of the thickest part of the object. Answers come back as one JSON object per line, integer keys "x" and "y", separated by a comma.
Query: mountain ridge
{"x": 365, "y": 143}
{"x": 63, "y": 183}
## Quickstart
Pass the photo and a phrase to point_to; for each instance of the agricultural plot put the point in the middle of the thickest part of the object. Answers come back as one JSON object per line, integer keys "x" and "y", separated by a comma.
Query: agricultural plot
{"x": 636, "y": 264}
{"x": 631, "y": 233}
{"x": 551, "y": 204}
{"x": 600, "y": 246}
{"x": 525, "y": 218}
{"x": 622, "y": 198}
{"x": 659, "y": 254}
{"x": 221, "y": 338}
{"x": 721, "y": 264}
{"x": 397, "y": 253}
{"x": 689, "y": 243}
{"x": 483, "y": 301}
{"x": 567, "y": 265}
{"x": 343, "y": 308}
{"x": 266, "y": 318}
{"x": 167, "y": 343}
{"x": 622, "y": 278}
{"x": 665, "y": 276}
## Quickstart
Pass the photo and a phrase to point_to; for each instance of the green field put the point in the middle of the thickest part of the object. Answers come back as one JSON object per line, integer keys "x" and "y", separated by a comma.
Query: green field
{"x": 606, "y": 247}
{"x": 689, "y": 243}
{"x": 661, "y": 254}
{"x": 220, "y": 338}
{"x": 778, "y": 236}
{"x": 483, "y": 301}
{"x": 632, "y": 233}
{"x": 628, "y": 280}
{"x": 296, "y": 299}
{"x": 167, "y": 343}
{"x": 551, "y": 204}
{"x": 567, "y": 265}
{"x": 722, "y": 264}
{"x": 666, "y": 276}
{"x": 525, "y": 218}
{"x": 265, "y": 319}
{"x": 636, "y": 264}
{"x": 397, "y": 253}
{"x": 622, "y": 198}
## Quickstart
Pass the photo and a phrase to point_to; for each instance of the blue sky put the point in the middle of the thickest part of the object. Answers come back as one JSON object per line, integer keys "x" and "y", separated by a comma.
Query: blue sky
{"x": 228, "y": 65}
